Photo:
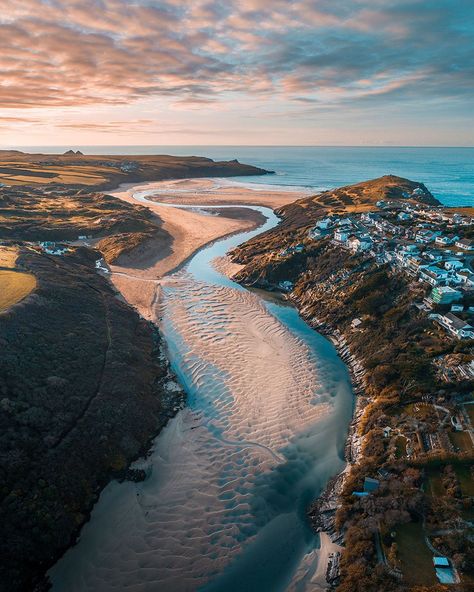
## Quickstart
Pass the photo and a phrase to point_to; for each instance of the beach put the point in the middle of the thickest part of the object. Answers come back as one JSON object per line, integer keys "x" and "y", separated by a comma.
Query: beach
{"x": 138, "y": 275}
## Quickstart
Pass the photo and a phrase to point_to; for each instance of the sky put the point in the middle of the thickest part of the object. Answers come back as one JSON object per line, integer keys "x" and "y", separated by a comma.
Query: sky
{"x": 248, "y": 72}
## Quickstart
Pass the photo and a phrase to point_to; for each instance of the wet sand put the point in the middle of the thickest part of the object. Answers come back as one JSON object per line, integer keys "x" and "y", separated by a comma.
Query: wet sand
{"x": 137, "y": 277}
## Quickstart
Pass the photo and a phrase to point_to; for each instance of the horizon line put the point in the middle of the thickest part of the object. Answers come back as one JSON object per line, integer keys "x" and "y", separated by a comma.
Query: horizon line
{"x": 20, "y": 146}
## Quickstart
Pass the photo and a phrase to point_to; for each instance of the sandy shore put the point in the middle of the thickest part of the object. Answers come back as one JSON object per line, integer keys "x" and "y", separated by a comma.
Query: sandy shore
{"x": 137, "y": 277}
{"x": 213, "y": 192}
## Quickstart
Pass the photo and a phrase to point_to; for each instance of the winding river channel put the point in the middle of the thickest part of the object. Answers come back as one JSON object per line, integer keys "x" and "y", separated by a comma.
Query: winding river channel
{"x": 230, "y": 477}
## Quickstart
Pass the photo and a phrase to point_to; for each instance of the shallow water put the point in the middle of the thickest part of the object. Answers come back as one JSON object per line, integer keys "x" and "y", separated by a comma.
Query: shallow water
{"x": 230, "y": 477}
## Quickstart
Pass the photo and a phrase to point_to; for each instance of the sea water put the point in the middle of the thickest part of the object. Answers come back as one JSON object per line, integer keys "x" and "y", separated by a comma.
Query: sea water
{"x": 447, "y": 172}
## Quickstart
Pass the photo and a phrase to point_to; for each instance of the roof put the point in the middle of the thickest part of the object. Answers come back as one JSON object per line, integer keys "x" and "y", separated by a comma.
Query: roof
{"x": 456, "y": 322}
{"x": 441, "y": 561}
{"x": 465, "y": 241}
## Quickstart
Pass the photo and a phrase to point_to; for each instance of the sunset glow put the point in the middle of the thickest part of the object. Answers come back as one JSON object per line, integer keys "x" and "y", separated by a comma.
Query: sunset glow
{"x": 243, "y": 72}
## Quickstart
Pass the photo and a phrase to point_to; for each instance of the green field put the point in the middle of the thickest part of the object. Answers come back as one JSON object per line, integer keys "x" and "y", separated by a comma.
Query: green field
{"x": 401, "y": 446}
{"x": 461, "y": 441}
{"x": 416, "y": 560}
{"x": 14, "y": 286}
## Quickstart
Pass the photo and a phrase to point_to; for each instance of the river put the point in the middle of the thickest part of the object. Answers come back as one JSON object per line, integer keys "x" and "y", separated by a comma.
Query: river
{"x": 229, "y": 479}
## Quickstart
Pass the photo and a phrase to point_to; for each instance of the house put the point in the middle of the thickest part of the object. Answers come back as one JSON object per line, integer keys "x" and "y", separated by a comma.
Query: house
{"x": 324, "y": 224}
{"x": 418, "y": 191}
{"x": 298, "y": 248}
{"x": 380, "y": 203}
{"x": 369, "y": 217}
{"x": 356, "y": 323}
{"x": 341, "y": 235}
{"x": 446, "y": 240}
{"x": 453, "y": 264}
{"x": 456, "y": 326}
{"x": 445, "y": 295}
{"x": 466, "y": 278}
{"x": 387, "y": 431}
{"x": 434, "y": 275}
{"x": 425, "y": 236}
{"x": 359, "y": 243}
{"x": 371, "y": 484}
{"x": 465, "y": 244}
{"x": 315, "y": 233}
{"x": 404, "y": 216}
{"x": 345, "y": 222}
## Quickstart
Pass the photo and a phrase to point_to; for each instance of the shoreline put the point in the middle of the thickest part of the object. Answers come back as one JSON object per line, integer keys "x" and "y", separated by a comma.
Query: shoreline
{"x": 189, "y": 230}
{"x": 329, "y": 543}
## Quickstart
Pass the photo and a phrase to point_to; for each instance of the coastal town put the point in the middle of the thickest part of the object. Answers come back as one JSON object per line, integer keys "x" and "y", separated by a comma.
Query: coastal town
{"x": 427, "y": 243}
{"x": 391, "y": 284}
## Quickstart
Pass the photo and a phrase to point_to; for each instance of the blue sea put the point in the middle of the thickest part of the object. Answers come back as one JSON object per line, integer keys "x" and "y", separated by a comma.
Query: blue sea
{"x": 447, "y": 172}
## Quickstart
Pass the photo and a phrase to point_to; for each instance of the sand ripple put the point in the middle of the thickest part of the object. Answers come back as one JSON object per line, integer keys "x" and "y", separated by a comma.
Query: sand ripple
{"x": 240, "y": 458}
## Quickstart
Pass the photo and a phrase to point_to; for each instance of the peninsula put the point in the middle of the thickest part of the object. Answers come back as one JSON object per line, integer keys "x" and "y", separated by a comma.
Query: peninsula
{"x": 387, "y": 273}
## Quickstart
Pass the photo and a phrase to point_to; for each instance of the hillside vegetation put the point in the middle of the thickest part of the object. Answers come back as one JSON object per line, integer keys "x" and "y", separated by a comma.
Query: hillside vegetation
{"x": 81, "y": 394}
{"x": 104, "y": 172}
{"x": 425, "y": 469}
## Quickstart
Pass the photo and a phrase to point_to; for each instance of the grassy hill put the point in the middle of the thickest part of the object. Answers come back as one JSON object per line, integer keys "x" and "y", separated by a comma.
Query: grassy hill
{"x": 105, "y": 172}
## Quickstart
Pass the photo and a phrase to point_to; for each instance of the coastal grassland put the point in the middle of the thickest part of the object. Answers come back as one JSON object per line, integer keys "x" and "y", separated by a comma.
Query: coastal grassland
{"x": 14, "y": 286}
{"x": 8, "y": 257}
{"x": 415, "y": 559}
{"x": 81, "y": 394}
{"x": 75, "y": 169}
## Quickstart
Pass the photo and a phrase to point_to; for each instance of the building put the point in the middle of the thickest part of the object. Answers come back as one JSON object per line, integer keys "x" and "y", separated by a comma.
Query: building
{"x": 356, "y": 323}
{"x": 453, "y": 264}
{"x": 456, "y": 326}
{"x": 446, "y": 240}
{"x": 434, "y": 275}
{"x": 371, "y": 484}
{"x": 404, "y": 216}
{"x": 359, "y": 243}
{"x": 341, "y": 235}
{"x": 465, "y": 244}
{"x": 445, "y": 295}
{"x": 324, "y": 224}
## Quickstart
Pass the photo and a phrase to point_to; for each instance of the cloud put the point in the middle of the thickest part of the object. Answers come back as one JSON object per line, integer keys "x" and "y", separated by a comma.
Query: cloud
{"x": 57, "y": 53}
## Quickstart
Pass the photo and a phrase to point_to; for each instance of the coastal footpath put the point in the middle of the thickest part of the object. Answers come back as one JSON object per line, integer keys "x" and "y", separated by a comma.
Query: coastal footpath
{"x": 371, "y": 266}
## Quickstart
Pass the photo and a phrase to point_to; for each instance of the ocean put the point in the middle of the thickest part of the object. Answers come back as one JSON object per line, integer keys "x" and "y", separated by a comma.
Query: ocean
{"x": 447, "y": 172}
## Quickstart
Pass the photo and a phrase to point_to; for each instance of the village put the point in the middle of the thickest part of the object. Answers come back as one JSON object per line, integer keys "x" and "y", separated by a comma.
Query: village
{"x": 432, "y": 250}
{"x": 427, "y": 243}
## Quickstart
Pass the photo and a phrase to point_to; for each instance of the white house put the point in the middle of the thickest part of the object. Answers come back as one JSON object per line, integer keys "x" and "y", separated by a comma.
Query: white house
{"x": 456, "y": 326}
{"x": 404, "y": 216}
{"x": 453, "y": 264}
{"x": 341, "y": 235}
{"x": 434, "y": 275}
{"x": 324, "y": 224}
{"x": 446, "y": 239}
{"x": 359, "y": 243}
{"x": 465, "y": 244}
